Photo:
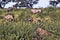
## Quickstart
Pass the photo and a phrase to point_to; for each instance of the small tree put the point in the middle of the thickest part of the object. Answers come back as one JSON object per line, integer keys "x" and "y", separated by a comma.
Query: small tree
{"x": 54, "y": 2}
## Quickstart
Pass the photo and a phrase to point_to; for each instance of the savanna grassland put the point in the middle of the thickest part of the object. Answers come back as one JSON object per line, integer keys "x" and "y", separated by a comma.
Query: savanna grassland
{"x": 23, "y": 29}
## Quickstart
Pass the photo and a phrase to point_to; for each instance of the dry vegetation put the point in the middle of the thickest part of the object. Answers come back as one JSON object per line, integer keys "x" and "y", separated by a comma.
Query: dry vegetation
{"x": 28, "y": 26}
